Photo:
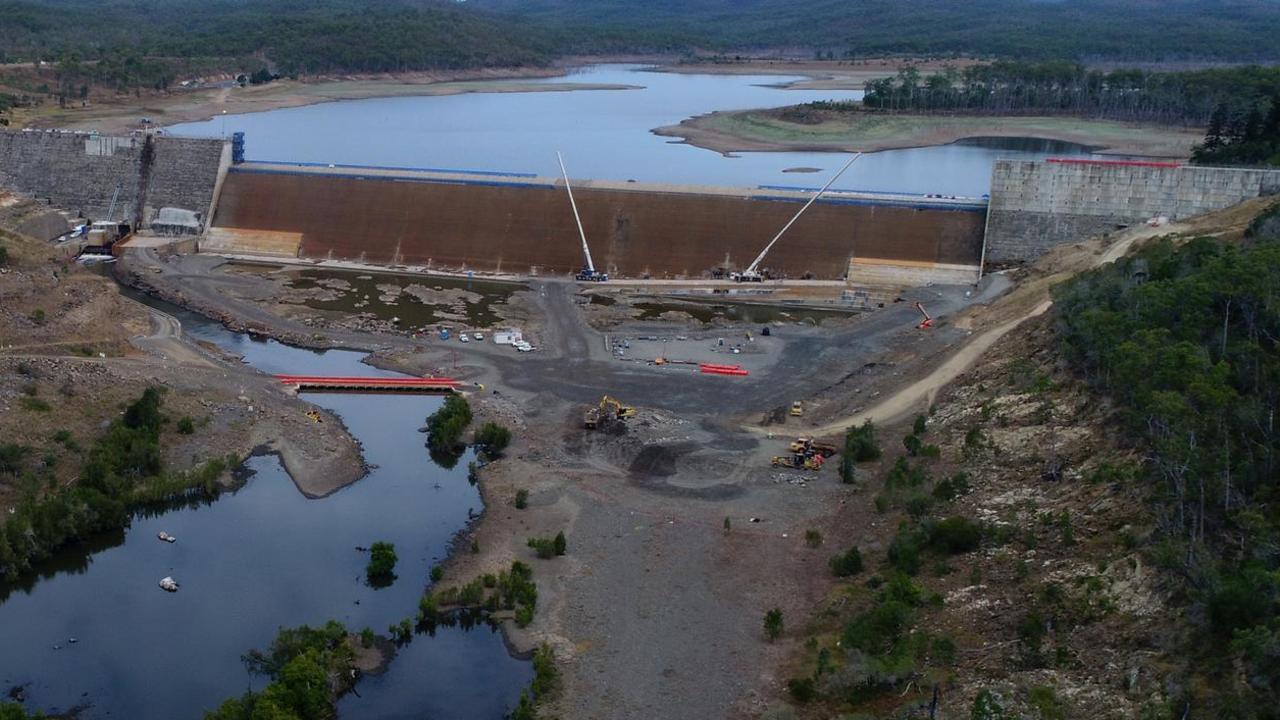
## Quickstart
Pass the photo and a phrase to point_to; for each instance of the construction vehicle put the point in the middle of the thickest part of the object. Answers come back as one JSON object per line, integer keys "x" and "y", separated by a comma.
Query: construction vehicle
{"x": 588, "y": 272}
{"x": 621, "y": 411}
{"x": 314, "y": 415}
{"x": 797, "y": 409}
{"x": 809, "y": 447}
{"x": 799, "y": 462}
{"x": 608, "y": 409}
{"x": 928, "y": 320}
{"x": 753, "y": 273}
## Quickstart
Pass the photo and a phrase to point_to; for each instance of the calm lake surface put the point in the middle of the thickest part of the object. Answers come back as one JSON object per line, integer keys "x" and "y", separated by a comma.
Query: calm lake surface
{"x": 253, "y": 561}
{"x": 604, "y": 134}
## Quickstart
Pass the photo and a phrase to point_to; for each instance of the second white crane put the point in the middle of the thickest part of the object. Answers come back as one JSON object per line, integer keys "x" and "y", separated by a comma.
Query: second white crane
{"x": 752, "y": 273}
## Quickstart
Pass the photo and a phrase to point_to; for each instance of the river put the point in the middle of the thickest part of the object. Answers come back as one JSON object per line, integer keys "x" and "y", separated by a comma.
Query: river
{"x": 255, "y": 560}
{"x": 604, "y": 134}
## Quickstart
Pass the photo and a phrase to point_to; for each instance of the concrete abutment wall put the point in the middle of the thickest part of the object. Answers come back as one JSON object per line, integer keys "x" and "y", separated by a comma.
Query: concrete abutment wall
{"x": 1037, "y": 205}
{"x": 80, "y": 172}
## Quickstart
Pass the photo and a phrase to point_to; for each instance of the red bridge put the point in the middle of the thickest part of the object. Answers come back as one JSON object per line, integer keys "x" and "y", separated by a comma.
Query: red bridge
{"x": 372, "y": 384}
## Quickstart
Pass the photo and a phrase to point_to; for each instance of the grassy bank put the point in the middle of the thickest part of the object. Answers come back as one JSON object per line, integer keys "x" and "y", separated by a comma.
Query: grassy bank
{"x": 757, "y": 130}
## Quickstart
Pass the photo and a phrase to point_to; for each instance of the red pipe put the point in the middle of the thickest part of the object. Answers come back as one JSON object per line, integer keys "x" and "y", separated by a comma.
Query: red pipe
{"x": 1120, "y": 163}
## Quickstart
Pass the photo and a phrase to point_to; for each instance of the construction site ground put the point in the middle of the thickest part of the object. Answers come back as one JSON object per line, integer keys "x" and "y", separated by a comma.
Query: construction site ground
{"x": 681, "y": 533}
{"x": 656, "y": 608}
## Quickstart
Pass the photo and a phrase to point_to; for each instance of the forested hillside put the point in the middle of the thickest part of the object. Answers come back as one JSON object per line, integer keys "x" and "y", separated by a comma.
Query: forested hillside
{"x": 308, "y": 36}
{"x": 1076, "y": 29}
{"x": 1185, "y": 341}
{"x": 1008, "y": 87}
{"x": 312, "y": 36}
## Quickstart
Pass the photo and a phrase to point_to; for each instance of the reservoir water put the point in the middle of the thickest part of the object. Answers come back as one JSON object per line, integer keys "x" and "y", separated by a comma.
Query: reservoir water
{"x": 253, "y": 561}
{"x": 604, "y": 134}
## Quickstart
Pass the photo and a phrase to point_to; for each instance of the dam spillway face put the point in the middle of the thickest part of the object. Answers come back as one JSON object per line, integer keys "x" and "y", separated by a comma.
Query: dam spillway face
{"x": 522, "y": 224}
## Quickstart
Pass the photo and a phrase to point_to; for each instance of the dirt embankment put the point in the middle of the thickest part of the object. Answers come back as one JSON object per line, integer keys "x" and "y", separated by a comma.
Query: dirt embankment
{"x": 816, "y": 74}
{"x": 73, "y": 351}
{"x": 120, "y": 114}
{"x": 805, "y": 129}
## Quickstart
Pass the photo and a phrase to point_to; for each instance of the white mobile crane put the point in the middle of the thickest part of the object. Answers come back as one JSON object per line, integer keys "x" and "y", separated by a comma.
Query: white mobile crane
{"x": 752, "y": 273}
{"x": 588, "y": 272}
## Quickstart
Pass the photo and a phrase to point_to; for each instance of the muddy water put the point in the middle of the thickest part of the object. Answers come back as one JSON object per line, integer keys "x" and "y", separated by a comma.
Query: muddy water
{"x": 478, "y": 306}
{"x": 604, "y": 134}
{"x": 255, "y": 560}
{"x": 706, "y": 312}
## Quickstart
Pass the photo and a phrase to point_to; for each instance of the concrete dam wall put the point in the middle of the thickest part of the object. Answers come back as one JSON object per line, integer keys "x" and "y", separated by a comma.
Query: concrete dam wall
{"x": 80, "y": 172}
{"x": 1036, "y": 205}
{"x": 520, "y": 224}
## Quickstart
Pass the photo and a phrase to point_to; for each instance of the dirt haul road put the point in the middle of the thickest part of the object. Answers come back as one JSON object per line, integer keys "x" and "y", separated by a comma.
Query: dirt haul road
{"x": 918, "y": 396}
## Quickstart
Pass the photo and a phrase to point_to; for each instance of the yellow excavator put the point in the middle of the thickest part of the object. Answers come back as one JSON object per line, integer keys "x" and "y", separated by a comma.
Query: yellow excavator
{"x": 608, "y": 409}
{"x": 799, "y": 462}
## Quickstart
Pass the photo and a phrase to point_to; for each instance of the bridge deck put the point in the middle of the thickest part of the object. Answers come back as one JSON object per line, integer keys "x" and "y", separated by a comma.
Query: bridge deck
{"x": 371, "y": 384}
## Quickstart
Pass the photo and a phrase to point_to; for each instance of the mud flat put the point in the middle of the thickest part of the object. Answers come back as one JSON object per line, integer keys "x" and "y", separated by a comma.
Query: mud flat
{"x": 210, "y": 102}
{"x": 818, "y": 131}
{"x": 818, "y": 74}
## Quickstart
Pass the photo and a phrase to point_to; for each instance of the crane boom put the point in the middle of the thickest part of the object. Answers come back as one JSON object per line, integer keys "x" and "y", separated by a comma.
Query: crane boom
{"x": 589, "y": 272}
{"x": 755, "y": 265}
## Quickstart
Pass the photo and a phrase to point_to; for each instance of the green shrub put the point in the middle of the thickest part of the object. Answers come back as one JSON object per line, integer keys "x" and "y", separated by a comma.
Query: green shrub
{"x": 545, "y": 548}
{"x": 524, "y": 616}
{"x": 446, "y": 425}
{"x": 802, "y": 690}
{"x": 382, "y": 562}
{"x": 4, "y": 255}
{"x": 773, "y": 625}
{"x": 918, "y": 505}
{"x": 437, "y": 573}
{"x": 912, "y": 443}
{"x": 812, "y": 538}
{"x": 904, "y": 552}
{"x": 987, "y": 707}
{"x": 186, "y": 426}
{"x": 545, "y": 674}
{"x": 955, "y": 535}
{"x": 860, "y": 443}
{"x": 12, "y": 457}
{"x": 522, "y": 499}
{"x": 560, "y": 544}
{"x": 34, "y": 404}
{"x": 847, "y": 563}
{"x": 918, "y": 427}
{"x": 493, "y": 437}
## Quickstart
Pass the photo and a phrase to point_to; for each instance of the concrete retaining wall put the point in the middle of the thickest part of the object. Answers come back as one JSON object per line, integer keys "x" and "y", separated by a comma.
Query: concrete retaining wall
{"x": 79, "y": 173}
{"x": 524, "y": 224}
{"x": 1036, "y": 205}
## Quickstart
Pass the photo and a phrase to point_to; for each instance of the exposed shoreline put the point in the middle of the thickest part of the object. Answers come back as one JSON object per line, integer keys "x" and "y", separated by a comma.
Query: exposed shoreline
{"x": 768, "y": 131}
{"x": 208, "y": 103}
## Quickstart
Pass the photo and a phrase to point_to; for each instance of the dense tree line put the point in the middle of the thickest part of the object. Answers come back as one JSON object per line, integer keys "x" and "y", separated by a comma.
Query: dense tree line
{"x": 397, "y": 35}
{"x": 135, "y": 45}
{"x": 1187, "y": 343}
{"x": 1240, "y": 30}
{"x": 1249, "y": 138}
{"x": 123, "y": 474}
{"x": 1011, "y": 87}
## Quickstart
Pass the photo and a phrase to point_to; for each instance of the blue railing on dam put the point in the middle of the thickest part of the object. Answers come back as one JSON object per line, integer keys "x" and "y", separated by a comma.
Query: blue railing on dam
{"x": 922, "y": 204}
{"x": 389, "y": 178}
{"x": 492, "y": 173}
